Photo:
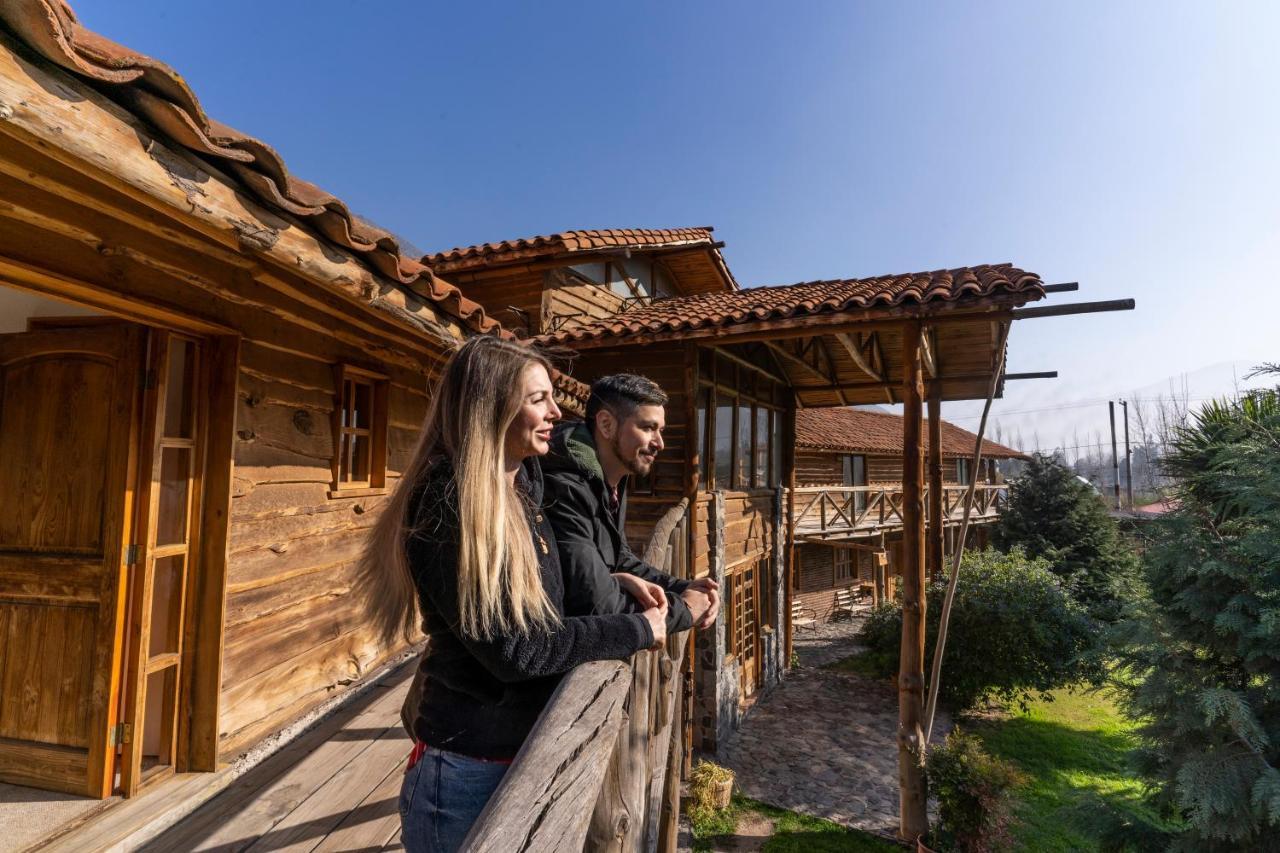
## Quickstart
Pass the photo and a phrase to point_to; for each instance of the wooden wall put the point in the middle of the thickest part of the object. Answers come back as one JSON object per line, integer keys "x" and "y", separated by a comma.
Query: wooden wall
{"x": 565, "y": 295}
{"x": 294, "y": 631}
{"x": 821, "y": 468}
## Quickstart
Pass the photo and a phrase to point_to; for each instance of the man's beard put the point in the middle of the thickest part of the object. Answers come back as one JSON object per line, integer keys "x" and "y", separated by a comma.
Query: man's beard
{"x": 638, "y": 465}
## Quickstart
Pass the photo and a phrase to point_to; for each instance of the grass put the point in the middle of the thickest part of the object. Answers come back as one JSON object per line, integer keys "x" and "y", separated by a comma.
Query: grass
{"x": 792, "y": 832}
{"x": 1075, "y": 752}
{"x": 858, "y": 663}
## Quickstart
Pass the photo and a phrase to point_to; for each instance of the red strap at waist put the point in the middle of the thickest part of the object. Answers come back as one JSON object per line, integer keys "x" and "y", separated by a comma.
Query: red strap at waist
{"x": 420, "y": 749}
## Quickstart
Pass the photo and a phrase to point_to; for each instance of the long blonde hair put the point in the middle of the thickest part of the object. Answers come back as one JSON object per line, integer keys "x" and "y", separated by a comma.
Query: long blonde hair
{"x": 499, "y": 581}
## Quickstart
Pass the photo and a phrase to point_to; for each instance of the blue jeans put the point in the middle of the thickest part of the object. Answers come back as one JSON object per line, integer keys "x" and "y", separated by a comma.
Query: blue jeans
{"x": 441, "y": 797}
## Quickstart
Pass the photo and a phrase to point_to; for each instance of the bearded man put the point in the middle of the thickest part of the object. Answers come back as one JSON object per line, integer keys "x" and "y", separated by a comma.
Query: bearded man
{"x": 586, "y": 476}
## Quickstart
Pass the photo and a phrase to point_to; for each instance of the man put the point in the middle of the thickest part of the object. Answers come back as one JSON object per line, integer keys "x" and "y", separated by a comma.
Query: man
{"x": 586, "y": 474}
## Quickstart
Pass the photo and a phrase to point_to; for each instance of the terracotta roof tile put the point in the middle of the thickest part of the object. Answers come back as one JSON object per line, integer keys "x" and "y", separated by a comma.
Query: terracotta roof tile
{"x": 728, "y": 308}
{"x": 861, "y": 431}
{"x": 152, "y": 90}
{"x": 566, "y": 242}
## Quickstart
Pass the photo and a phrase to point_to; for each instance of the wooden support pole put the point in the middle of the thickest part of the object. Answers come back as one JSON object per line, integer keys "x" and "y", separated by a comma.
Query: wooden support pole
{"x": 1077, "y": 308}
{"x": 790, "y": 580}
{"x": 913, "y": 818}
{"x": 937, "y": 523}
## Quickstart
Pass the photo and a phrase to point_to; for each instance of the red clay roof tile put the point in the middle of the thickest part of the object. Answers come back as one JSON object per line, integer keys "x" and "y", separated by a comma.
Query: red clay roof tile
{"x": 728, "y": 308}
{"x": 861, "y": 431}
{"x": 151, "y": 89}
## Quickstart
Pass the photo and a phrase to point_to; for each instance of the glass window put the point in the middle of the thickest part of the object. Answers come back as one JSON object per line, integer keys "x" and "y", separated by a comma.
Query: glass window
{"x": 775, "y": 448}
{"x": 760, "y": 470}
{"x": 723, "y": 456}
{"x": 360, "y": 444}
{"x": 700, "y": 438}
{"x": 593, "y": 272}
{"x": 742, "y": 458}
{"x": 962, "y": 471}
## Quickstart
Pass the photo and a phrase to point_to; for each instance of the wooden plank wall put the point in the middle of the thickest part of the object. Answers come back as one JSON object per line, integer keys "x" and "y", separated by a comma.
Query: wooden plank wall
{"x": 565, "y": 295}
{"x": 294, "y": 632}
{"x": 818, "y": 468}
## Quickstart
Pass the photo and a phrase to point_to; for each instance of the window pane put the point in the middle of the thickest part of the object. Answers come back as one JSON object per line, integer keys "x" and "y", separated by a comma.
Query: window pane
{"x": 700, "y": 441}
{"x": 360, "y": 457}
{"x": 858, "y": 474}
{"x": 362, "y": 410}
{"x": 171, "y": 512}
{"x": 158, "y": 719}
{"x": 775, "y": 448}
{"x": 166, "y": 604}
{"x": 724, "y": 442}
{"x": 760, "y": 477}
{"x": 742, "y": 461}
{"x": 178, "y": 381}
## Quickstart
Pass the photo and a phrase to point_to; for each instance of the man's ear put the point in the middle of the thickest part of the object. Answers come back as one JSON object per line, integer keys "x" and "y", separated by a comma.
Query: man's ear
{"x": 606, "y": 424}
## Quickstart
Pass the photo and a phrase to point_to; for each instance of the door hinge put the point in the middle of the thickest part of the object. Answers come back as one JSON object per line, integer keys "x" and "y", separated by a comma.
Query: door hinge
{"x": 121, "y": 733}
{"x": 131, "y": 555}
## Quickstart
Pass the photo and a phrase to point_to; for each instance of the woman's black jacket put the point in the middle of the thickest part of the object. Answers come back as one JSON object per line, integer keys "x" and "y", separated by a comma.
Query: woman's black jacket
{"x": 480, "y": 697}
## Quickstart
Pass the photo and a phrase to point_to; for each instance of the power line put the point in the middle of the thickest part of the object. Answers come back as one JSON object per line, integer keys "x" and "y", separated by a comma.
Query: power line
{"x": 1084, "y": 404}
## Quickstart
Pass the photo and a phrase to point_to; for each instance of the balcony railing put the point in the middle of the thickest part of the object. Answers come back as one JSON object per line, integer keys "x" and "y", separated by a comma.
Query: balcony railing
{"x": 824, "y": 512}
{"x": 600, "y": 770}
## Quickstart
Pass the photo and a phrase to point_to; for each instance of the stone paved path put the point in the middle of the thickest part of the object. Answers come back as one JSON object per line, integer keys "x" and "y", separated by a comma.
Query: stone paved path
{"x": 823, "y": 742}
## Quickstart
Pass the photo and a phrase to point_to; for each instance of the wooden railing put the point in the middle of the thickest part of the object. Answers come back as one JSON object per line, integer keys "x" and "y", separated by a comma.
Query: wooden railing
{"x": 824, "y": 510}
{"x": 600, "y": 770}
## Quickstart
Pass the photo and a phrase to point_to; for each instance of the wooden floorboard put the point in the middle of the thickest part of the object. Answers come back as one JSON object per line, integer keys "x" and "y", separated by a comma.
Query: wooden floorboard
{"x": 267, "y": 796}
{"x": 374, "y": 823}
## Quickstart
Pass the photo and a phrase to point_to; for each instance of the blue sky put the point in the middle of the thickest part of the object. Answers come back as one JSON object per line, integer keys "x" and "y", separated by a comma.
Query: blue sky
{"x": 1129, "y": 146}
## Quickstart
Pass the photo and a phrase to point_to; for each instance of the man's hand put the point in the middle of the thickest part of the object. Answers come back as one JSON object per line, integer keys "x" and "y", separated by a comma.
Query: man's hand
{"x": 657, "y": 618}
{"x": 710, "y": 590}
{"x": 648, "y": 594}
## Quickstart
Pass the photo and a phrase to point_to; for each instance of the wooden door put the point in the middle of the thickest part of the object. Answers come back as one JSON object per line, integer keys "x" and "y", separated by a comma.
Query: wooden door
{"x": 68, "y": 424}
{"x": 168, "y": 499}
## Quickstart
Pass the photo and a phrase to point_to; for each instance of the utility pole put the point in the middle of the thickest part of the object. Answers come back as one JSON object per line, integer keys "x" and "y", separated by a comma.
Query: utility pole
{"x": 1128, "y": 457}
{"x": 1115, "y": 453}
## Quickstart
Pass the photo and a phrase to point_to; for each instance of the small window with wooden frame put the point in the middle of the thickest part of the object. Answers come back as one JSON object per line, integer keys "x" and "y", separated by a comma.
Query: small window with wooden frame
{"x": 359, "y": 432}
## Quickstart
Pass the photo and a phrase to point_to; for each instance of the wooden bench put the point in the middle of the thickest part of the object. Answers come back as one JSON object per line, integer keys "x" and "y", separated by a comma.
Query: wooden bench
{"x": 801, "y": 616}
{"x": 848, "y": 598}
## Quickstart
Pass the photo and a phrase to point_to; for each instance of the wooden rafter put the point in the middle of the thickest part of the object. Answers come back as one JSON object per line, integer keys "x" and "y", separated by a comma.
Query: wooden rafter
{"x": 831, "y": 363}
{"x": 792, "y": 358}
{"x": 854, "y": 351}
{"x": 928, "y": 352}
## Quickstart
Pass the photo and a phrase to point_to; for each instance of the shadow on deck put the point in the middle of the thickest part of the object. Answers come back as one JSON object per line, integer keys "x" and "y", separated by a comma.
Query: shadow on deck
{"x": 334, "y": 788}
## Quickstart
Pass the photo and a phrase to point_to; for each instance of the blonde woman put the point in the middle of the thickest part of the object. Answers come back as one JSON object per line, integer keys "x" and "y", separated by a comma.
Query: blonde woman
{"x": 465, "y": 539}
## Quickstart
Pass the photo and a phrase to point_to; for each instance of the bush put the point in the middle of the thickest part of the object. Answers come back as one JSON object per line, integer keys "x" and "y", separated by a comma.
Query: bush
{"x": 1051, "y": 514}
{"x": 1014, "y": 633}
{"x": 1204, "y": 651}
{"x": 973, "y": 788}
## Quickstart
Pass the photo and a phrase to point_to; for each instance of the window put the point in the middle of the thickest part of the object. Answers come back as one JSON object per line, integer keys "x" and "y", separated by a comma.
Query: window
{"x": 842, "y": 565}
{"x": 775, "y": 448}
{"x": 700, "y": 445}
{"x": 760, "y": 470}
{"x": 360, "y": 430}
{"x": 855, "y": 474}
{"x": 742, "y": 450}
{"x": 962, "y": 472}
{"x": 724, "y": 441}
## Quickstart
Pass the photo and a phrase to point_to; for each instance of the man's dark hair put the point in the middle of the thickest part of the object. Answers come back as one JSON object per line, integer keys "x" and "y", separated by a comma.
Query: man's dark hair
{"x": 622, "y": 394}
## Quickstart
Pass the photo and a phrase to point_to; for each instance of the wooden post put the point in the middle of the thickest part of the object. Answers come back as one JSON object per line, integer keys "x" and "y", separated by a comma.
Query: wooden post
{"x": 937, "y": 520}
{"x": 1115, "y": 459}
{"x": 789, "y": 478}
{"x": 913, "y": 819}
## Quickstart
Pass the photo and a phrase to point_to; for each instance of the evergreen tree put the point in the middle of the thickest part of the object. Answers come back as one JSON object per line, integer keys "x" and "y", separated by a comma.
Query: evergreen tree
{"x": 1053, "y": 515}
{"x": 1202, "y": 655}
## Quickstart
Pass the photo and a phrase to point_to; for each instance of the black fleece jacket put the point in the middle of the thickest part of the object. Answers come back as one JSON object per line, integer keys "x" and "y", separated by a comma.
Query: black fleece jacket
{"x": 481, "y": 697}
{"x": 589, "y": 532}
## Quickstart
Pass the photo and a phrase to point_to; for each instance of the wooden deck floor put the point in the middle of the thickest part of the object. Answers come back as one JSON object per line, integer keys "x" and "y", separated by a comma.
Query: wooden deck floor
{"x": 334, "y": 788}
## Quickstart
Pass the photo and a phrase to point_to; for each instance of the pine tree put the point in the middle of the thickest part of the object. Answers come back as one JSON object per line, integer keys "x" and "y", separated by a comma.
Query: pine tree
{"x": 1052, "y": 514}
{"x": 1202, "y": 656}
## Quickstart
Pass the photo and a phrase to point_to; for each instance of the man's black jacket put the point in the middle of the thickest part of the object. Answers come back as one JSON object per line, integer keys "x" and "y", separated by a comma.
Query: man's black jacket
{"x": 590, "y": 534}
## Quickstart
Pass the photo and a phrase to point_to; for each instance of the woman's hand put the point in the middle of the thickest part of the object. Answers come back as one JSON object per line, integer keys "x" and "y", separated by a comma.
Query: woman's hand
{"x": 657, "y": 618}
{"x": 648, "y": 594}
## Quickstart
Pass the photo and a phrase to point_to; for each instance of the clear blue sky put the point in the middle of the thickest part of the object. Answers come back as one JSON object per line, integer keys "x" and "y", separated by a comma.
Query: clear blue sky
{"x": 1134, "y": 147}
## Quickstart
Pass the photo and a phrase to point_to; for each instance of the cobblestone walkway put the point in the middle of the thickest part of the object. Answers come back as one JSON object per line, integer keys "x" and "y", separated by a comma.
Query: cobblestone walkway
{"x": 823, "y": 742}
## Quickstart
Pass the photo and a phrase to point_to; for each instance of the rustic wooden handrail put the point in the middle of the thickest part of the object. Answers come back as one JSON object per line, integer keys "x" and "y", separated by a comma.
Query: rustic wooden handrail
{"x": 609, "y": 737}
{"x": 845, "y": 508}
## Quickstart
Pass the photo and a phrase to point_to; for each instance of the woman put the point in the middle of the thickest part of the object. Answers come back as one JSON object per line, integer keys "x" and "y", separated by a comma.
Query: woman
{"x": 464, "y": 538}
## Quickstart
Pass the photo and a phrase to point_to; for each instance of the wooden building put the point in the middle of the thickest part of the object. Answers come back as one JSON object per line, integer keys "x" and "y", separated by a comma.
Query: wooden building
{"x": 738, "y": 366}
{"x": 848, "y": 510}
{"x": 210, "y": 373}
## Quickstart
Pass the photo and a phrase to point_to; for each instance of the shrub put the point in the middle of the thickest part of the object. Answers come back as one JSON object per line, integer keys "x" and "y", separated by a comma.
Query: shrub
{"x": 1014, "y": 633}
{"x": 1204, "y": 652}
{"x": 1051, "y": 514}
{"x": 973, "y": 788}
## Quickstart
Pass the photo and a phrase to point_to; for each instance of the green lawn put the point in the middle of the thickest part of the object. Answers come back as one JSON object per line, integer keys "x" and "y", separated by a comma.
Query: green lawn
{"x": 792, "y": 832}
{"x": 1075, "y": 752}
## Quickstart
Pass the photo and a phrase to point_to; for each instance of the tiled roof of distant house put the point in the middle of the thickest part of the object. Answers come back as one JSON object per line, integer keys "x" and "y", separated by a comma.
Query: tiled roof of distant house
{"x": 860, "y": 431}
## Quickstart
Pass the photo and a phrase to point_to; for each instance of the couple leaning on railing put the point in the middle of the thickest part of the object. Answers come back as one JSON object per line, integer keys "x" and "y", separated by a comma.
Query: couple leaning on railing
{"x": 506, "y": 535}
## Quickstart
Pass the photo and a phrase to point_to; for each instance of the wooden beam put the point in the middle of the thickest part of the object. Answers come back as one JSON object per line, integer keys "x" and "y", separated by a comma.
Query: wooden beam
{"x": 928, "y": 346}
{"x": 854, "y": 351}
{"x": 792, "y": 358}
{"x": 750, "y": 365}
{"x": 936, "y": 520}
{"x": 1077, "y": 308}
{"x": 1064, "y": 287}
{"x": 912, "y": 796}
{"x": 822, "y": 342}
{"x": 1043, "y": 374}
